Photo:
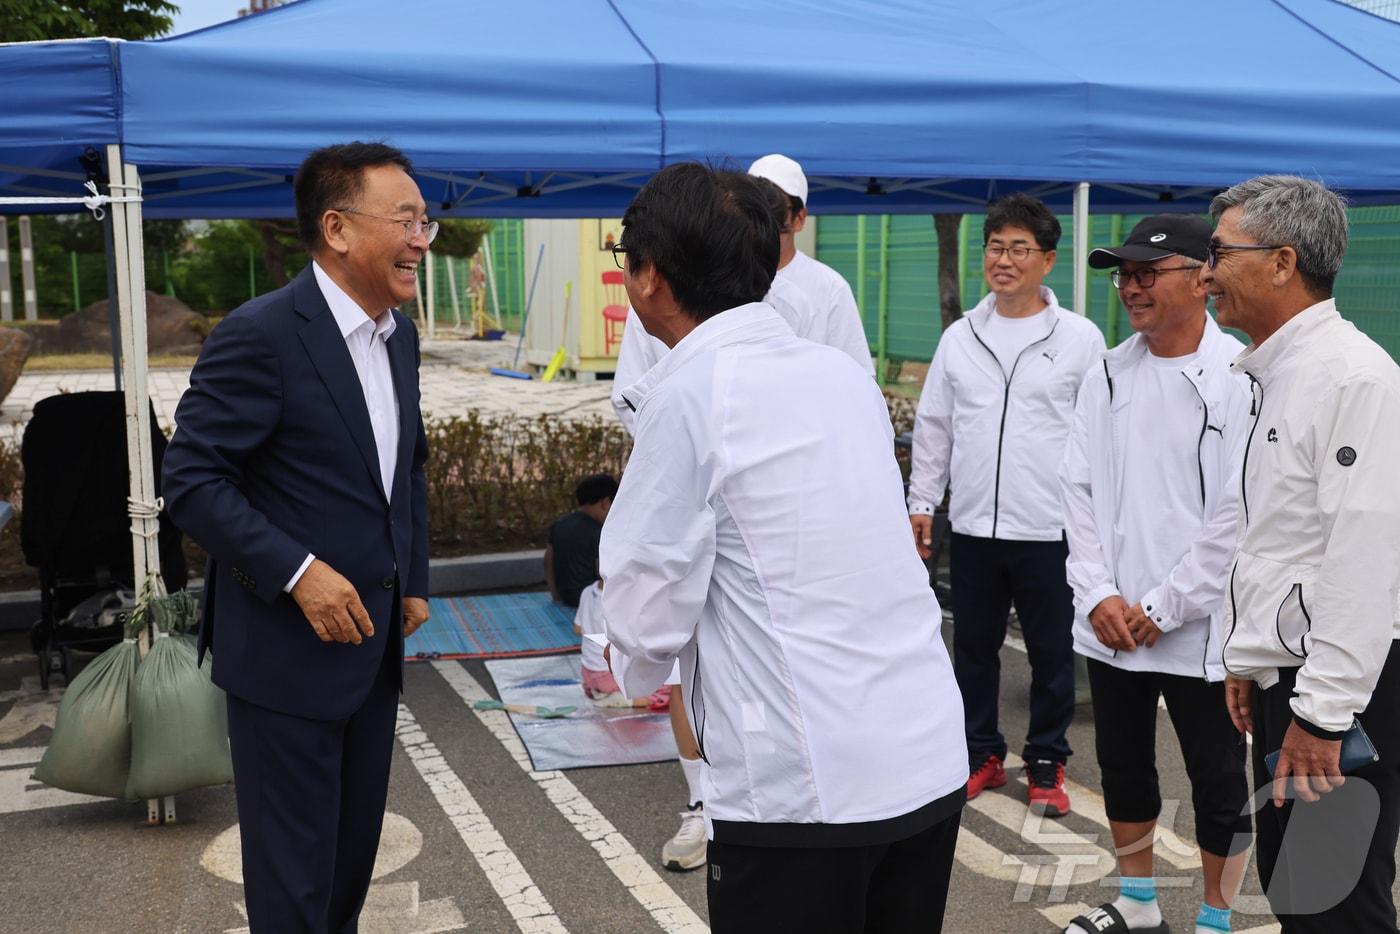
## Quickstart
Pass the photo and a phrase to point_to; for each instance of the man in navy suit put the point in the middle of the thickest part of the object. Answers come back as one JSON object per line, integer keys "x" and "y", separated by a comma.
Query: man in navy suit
{"x": 297, "y": 463}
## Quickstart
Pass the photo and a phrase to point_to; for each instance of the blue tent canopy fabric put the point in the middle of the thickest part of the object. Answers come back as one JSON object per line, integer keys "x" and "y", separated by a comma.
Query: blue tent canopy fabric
{"x": 565, "y": 107}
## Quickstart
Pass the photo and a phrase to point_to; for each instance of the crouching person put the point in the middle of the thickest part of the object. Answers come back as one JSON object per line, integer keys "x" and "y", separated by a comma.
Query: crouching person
{"x": 1149, "y": 484}
{"x": 759, "y": 536}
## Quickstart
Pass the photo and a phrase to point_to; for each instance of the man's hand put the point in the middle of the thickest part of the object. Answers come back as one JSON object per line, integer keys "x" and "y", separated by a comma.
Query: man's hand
{"x": 415, "y": 614}
{"x": 331, "y": 605}
{"x": 1141, "y": 627}
{"x": 923, "y": 534}
{"x": 1313, "y": 764}
{"x": 1239, "y": 701}
{"x": 1110, "y": 625}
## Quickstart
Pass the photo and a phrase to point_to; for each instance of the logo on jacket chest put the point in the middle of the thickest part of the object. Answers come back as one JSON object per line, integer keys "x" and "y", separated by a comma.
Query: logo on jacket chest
{"x": 1272, "y": 436}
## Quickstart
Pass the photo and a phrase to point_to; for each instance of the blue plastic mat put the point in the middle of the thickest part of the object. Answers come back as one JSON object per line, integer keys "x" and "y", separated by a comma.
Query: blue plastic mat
{"x": 590, "y": 736}
{"x": 494, "y": 626}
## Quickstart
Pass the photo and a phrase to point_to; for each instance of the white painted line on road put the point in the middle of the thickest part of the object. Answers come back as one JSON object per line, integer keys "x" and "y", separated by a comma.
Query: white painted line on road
{"x": 522, "y": 897}
{"x": 1088, "y": 803}
{"x": 1071, "y": 859}
{"x": 20, "y": 792}
{"x": 635, "y": 873}
{"x": 1062, "y": 915}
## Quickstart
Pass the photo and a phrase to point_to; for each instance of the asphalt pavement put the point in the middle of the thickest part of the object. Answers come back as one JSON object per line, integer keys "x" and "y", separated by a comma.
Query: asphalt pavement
{"x": 477, "y": 841}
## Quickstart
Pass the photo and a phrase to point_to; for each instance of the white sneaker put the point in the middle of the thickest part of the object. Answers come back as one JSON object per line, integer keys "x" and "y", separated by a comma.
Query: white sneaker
{"x": 686, "y": 850}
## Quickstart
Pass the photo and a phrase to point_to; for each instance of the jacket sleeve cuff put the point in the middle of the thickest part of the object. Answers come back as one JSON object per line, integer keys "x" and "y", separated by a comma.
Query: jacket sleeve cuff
{"x": 1094, "y": 597}
{"x": 1313, "y": 729}
{"x": 920, "y": 509}
{"x": 1156, "y": 609}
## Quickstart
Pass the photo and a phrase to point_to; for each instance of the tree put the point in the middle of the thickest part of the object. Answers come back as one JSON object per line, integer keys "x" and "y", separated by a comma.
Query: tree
{"x": 28, "y": 20}
{"x": 461, "y": 237}
{"x": 949, "y": 288}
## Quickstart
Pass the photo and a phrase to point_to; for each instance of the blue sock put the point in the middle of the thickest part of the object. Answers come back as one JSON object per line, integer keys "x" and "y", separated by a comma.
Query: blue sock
{"x": 1216, "y": 919}
{"x": 1138, "y": 889}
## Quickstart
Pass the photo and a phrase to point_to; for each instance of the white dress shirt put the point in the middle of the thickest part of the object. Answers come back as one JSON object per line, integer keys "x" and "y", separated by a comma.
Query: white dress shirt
{"x": 366, "y": 339}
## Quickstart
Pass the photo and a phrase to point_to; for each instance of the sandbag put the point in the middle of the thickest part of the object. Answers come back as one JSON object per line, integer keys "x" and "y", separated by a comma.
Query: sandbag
{"x": 90, "y": 752}
{"x": 179, "y": 724}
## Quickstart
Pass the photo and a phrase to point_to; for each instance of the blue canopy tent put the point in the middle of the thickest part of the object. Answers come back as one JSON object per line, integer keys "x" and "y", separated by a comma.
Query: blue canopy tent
{"x": 564, "y": 107}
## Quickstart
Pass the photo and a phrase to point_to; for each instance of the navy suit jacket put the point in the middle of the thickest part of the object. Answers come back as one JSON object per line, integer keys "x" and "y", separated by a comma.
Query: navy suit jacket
{"x": 273, "y": 457}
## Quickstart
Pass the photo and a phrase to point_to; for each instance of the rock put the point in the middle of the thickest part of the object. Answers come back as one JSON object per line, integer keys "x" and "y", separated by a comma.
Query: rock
{"x": 171, "y": 328}
{"x": 14, "y": 350}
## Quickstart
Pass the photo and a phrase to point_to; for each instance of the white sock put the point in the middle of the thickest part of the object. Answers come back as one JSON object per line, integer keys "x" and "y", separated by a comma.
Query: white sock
{"x": 1138, "y": 914}
{"x": 692, "y": 768}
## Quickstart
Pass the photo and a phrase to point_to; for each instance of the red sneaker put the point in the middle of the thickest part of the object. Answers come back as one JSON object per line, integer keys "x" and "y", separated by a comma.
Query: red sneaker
{"x": 990, "y": 774}
{"x": 1045, "y": 781}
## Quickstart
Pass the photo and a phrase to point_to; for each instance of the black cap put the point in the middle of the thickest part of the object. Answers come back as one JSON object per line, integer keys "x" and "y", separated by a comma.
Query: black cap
{"x": 1158, "y": 237}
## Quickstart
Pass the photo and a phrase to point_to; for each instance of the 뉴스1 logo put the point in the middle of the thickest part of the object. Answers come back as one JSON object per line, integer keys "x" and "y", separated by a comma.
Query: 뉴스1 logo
{"x": 1346, "y": 456}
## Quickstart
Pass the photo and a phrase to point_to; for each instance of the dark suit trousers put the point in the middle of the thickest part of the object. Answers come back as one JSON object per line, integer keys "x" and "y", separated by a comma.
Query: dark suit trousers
{"x": 311, "y": 797}
{"x": 1329, "y": 866}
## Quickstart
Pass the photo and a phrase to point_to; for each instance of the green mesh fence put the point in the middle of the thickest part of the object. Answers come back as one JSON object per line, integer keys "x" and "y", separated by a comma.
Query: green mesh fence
{"x": 1368, "y": 290}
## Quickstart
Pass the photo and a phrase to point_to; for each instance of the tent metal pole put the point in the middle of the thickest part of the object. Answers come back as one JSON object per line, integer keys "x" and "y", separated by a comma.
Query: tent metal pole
{"x": 432, "y": 297}
{"x": 860, "y": 266}
{"x": 131, "y": 296}
{"x": 491, "y": 278}
{"x": 1115, "y": 236}
{"x": 113, "y": 314}
{"x": 7, "y": 303}
{"x": 883, "y": 333}
{"x": 1081, "y": 248}
{"x": 26, "y": 268}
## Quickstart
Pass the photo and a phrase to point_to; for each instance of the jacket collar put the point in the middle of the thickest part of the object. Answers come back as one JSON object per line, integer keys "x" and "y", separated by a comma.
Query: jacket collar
{"x": 988, "y": 305}
{"x": 1262, "y": 360}
{"x": 741, "y": 325}
{"x": 1213, "y": 343}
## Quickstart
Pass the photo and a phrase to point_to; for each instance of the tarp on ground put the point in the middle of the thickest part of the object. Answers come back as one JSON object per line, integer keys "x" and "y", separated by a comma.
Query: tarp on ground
{"x": 564, "y": 107}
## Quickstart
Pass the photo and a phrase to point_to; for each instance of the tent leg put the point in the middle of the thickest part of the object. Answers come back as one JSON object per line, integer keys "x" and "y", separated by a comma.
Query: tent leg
{"x": 431, "y": 289}
{"x": 124, "y": 180}
{"x": 1081, "y": 248}
{"x": 491, "y": 279}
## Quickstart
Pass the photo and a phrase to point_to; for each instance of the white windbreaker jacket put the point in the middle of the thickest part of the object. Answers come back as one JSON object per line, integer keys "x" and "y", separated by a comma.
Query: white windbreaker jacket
{"x": 640, "y": 351}
{"x": 997, "y": 441}
{"x": 1318, "y": 568}
{"x": 1186, "y": 606}
{"x": 759, "y": 536}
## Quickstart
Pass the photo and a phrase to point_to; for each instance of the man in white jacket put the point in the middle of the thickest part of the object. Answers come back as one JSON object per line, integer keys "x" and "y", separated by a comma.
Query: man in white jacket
{"x": 1150, "y": 490}
{"x": 1310, "y": 616}
{"x": 758, "y": 537}
{"x": 835, "y": 319}
{"x": 991, "y": 426}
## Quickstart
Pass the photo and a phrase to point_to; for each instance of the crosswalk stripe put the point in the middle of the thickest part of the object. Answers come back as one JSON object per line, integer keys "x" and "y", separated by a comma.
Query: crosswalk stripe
{"x": 1089, "y": 803}
{"x": 635, "y": 873}
{"x": 522, "y": 897}
{"x": 1072, "y": 859}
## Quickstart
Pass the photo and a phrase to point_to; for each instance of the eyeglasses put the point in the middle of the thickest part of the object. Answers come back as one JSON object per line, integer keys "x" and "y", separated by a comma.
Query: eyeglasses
{"x": 428, "y": 229}
{"x": 618, "y": 251}
{"x": 1215, "y": 248}
{"x": 1018, "y": 252}
{"x": 1145, "y": 278}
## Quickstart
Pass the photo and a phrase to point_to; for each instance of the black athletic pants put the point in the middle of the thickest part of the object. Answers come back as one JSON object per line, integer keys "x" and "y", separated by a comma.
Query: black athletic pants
{"x": 1125, "y": 738}
{"x": 1329, "y": 866}
{"x": 890, "y": 888}
{"x": 988, "y": 576}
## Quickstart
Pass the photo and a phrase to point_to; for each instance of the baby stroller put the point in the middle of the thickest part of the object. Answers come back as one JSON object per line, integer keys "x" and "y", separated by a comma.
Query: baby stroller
{"x": 74, "y": 527}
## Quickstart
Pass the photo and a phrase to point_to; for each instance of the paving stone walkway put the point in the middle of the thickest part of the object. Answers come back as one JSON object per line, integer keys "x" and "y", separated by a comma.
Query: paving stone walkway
{"x": 455, "y": 379}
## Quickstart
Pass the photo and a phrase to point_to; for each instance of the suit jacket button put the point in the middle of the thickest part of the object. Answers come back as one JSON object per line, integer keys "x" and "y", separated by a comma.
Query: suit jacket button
{"x": 388, "y": 583}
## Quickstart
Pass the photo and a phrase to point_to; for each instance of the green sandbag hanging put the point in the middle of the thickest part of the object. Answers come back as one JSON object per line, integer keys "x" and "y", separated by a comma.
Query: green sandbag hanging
{"x": 90, "y": 752}
{"x": 179, "y": 724}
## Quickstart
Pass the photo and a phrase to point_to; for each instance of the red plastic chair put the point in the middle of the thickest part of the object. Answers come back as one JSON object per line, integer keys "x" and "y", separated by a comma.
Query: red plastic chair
{"x": 615, "y": 311}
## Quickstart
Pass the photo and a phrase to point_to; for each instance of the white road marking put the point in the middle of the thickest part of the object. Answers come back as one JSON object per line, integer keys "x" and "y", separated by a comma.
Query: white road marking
{"x": 1067, "y": 858}
{"x": 631, "y": 869}
{"x": 1088, "y": 803}
{"x": 400, "y": 842}
{"x": 1062, "y": 915}
{"x": 394, "y": 908}
{"x": 20, "y": 792}
{"x": 522, "y": 897}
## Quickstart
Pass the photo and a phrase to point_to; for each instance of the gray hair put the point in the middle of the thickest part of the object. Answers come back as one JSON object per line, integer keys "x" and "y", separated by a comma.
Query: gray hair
{"x": 1290, "y": 211}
